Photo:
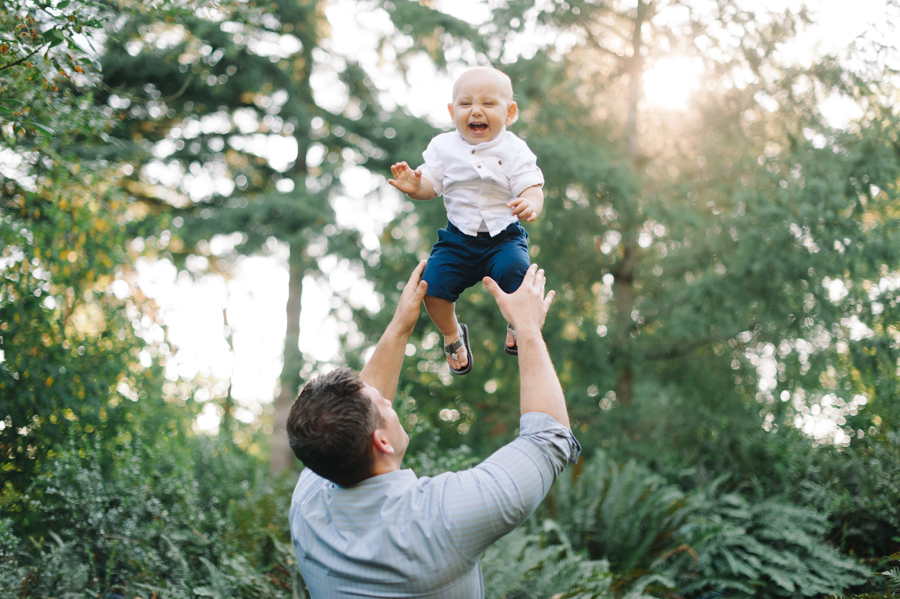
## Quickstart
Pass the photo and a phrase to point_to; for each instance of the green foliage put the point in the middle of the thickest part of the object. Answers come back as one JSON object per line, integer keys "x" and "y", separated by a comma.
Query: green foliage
{"x": 428, "y": 453}
{"x": 180, "y": 520}
{"x": 78, "y": 341}
{"x": 522, "y": 565}
{"x": 858, "y": 488}
{"x": 658, "y": 538}
{"x": 71, "y": 327}
{"x": 625, "y": 515}
{"x": 43, "y": 70}
{"x": 699, "y": 257}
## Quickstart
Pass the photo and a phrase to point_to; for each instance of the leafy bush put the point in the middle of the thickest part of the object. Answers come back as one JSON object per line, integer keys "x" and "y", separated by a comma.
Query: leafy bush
{"x": 174, "y": 521}
{"x": 522, "y": 565}
{"x": 660, "y": 539}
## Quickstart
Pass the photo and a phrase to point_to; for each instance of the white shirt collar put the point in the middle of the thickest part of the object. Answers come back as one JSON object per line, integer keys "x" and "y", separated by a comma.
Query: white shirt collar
{"x": 485, "y": 145}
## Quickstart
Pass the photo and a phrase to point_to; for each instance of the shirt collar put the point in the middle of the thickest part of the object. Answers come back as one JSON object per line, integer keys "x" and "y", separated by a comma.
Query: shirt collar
{"x": 394, "y": 482}
{"x": 482, "y": 146}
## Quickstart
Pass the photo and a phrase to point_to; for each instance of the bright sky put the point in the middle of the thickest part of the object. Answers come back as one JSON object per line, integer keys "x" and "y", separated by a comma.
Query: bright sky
{"x": 255, "y": 298}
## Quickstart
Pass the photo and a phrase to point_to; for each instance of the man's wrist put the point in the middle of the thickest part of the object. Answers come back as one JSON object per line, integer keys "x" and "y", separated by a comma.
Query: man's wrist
{"x": 399, "y": 330}
{"x": 528, "y": 334}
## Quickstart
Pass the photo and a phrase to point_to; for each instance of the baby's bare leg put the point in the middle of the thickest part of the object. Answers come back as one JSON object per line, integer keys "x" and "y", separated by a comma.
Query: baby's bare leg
{"x": 443, "y": 313}
{"x": 510, "y": 337}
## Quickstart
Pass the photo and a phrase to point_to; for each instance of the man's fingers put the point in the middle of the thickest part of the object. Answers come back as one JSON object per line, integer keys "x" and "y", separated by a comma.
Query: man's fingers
{"x": 492, "y": 287}
{"x": 533, "y": 276}
{"x": 416, "y": 277}
{"x": 530, "y": 275}
{"x": 548, "y": 301}
{"x": 545, "y": 306}
{"x": 421, "y": 289}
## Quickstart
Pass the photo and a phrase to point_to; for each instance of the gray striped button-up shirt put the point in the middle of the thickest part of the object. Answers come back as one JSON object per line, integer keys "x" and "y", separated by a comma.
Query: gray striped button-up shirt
{"x": 396, "y": 535}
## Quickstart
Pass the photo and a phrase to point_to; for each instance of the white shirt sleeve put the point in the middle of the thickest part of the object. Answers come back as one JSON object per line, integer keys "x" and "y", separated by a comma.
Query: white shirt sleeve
{"x": 524, "y": 172}
{"x": 434, "y": 166}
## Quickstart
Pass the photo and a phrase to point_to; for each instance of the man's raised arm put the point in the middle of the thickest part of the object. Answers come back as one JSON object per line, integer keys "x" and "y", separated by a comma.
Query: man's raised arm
{"x": 486, "y": 502}
{"x": 382, "y": 371}
{"x": 525, "y": 310}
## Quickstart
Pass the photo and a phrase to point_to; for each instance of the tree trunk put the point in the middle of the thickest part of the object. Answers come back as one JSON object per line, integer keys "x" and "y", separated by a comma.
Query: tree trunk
{"x": 226, "y": 428}
{"x": 623, "y": 286}
{"x": 282, "y": 456}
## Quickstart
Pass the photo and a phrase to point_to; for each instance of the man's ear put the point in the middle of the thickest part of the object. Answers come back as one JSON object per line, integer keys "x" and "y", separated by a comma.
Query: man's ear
{"x": 381, "y": 443}
{"x": 512, "y": 113}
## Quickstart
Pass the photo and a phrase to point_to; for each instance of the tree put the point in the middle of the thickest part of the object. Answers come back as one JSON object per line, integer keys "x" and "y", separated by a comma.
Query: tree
{"x": 198, "y": 102}
{"x": 77, "y": 341}
{"x": 697, "y": 250}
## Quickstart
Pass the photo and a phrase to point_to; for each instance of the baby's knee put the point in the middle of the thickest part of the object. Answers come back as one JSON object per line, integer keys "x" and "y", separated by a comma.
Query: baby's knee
{"x": 510, "y": 278}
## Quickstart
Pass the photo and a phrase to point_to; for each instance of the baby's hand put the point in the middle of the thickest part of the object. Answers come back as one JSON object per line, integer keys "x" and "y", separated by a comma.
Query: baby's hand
{"x": 405, "y": 179}
{"x": 524, "y": 208}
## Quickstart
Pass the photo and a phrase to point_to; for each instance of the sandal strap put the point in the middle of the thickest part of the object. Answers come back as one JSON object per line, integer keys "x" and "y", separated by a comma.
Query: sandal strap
{"x": 454, "y": 347}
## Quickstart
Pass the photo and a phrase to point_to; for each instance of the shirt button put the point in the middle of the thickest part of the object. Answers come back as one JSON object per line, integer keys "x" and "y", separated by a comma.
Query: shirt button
{"x": 477, "y": 166}
{"x": 473, "y": 151}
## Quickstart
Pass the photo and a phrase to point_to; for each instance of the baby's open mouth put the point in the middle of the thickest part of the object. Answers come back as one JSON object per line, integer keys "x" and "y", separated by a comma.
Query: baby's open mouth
{"x": 478, "y": 127}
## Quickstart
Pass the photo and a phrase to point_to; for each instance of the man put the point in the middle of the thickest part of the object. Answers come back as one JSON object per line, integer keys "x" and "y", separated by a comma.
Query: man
{"x": 363, "y": 527}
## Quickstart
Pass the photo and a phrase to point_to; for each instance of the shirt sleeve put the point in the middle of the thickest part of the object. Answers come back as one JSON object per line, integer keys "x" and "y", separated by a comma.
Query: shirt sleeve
{"x": 525, "y": 172}
{"x": 433, "y": 169}
{"x": 484, "y": 503}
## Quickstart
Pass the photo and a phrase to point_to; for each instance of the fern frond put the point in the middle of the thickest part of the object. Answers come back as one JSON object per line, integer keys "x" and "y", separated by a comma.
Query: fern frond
{"x": 219, "y": 587}
{"x": 182, "y": 569}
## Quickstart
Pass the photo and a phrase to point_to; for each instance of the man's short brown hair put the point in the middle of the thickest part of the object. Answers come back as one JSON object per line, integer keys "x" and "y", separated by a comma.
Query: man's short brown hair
{"x": 330, "y": 427}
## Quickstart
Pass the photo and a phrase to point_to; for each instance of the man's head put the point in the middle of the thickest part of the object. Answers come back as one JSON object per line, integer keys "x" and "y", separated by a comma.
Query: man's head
{"x": 343, "y": 429}
{"x": 482, "y": 104}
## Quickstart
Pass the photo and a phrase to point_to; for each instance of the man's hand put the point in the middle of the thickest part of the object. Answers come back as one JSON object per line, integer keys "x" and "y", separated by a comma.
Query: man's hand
{"x": 528, "y": 205}
{"x": 526, "y": 308}
{"x": 407, "y": 313}
{"x": 382, "y": 371}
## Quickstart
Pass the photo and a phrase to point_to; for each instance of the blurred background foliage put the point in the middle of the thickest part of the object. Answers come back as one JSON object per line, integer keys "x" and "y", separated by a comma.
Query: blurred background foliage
{"x": 725, "y": 326}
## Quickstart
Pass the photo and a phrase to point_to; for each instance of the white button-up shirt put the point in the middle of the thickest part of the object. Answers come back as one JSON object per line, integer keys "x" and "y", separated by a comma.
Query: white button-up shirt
{"x": 396, "y": 535}
{"x": 477, "y": 181}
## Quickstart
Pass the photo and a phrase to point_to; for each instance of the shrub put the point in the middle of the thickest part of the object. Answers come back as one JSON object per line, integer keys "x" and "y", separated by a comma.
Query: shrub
{"x": 660, "y": 539}
{"x": 175, "y": 521}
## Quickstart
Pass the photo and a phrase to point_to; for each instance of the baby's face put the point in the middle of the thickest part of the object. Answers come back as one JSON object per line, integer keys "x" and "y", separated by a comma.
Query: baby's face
{"x": 481, "y": 106}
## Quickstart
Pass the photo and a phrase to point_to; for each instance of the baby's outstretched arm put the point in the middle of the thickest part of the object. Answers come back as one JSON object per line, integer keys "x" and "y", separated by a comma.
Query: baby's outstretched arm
{"x": 411, "y": 182}
{"x": 529, "y": 204}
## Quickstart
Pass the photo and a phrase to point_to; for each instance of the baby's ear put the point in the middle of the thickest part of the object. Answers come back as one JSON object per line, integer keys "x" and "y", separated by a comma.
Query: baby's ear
{"x": 512, "y": 113}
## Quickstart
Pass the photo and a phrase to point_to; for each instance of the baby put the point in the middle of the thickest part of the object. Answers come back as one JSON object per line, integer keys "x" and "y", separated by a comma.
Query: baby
{"x": 490, "y": 180}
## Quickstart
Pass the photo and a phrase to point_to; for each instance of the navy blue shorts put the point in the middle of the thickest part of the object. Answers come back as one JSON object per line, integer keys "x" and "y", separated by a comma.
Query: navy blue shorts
{"x": 459, "y": 261}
